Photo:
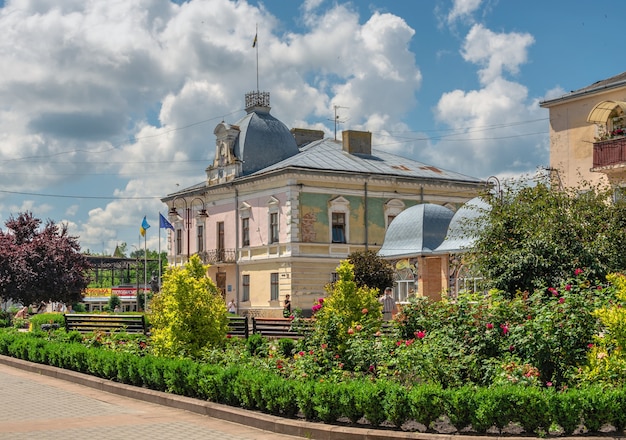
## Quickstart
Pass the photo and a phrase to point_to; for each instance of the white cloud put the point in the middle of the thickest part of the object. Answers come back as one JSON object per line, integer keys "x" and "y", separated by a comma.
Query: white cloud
{"x": 497, "y": 127}
{"x": 463, "y": 9}
{"x": 496, "y": 52}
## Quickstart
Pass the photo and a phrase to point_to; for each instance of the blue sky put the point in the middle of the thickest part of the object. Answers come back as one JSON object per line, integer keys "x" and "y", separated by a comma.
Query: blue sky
{"x": 107, "y": 106}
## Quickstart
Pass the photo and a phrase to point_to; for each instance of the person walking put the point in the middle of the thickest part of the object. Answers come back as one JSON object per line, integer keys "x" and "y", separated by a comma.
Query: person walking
{"x": 389, "y": 304}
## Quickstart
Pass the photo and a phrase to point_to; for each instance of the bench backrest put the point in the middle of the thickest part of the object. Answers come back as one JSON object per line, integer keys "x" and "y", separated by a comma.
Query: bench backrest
{"x": 85, "y": 323}
{"x": 280, "y": 327}
{"x": 238, "y": 326}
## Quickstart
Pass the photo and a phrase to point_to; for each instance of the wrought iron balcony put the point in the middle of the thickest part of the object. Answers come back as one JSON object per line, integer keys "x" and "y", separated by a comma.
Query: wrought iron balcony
{"x": 609, "y": 152}
{"x": 218, "y": 256}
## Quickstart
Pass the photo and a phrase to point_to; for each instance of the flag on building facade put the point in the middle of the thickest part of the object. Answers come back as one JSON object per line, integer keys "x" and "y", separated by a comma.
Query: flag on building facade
{"x": 144, "y": 226}
{"x": 164, "y": 223}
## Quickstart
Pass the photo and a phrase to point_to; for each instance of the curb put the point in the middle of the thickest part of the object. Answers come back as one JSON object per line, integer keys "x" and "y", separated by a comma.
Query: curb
{"x": 266, "y": 422}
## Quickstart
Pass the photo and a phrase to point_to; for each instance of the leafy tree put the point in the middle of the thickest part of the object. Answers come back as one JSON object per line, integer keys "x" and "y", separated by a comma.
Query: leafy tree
{"x": 188, "y": 314}
{"x": 535, "y": 236}
{"x": 370, "y": 270}
{"x": 40, "y": 264}
{"x": 114, "y": 301}
{"x": 348, "y": 309}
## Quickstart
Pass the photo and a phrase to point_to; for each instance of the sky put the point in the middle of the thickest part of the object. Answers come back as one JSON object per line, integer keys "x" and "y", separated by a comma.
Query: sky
{"x": 106, "y": 106}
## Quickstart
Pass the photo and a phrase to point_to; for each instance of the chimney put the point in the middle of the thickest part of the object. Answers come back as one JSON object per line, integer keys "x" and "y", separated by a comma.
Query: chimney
{"x": 305, "y": 136}
{"x": 359, "y": 142}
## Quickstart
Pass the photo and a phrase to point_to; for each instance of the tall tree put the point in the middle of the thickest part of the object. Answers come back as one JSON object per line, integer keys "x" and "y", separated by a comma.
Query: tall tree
{"x": 536, "y": 235}
{"x": 40, "y": 264}
{"x": 371, "y": 271}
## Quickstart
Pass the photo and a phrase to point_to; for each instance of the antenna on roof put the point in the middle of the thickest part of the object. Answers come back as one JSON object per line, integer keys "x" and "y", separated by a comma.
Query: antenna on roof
{"x": 336, "y": 119}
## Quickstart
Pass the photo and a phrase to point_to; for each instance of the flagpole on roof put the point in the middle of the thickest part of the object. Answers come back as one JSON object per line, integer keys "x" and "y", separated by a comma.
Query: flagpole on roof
{"x": 256, "y": 45}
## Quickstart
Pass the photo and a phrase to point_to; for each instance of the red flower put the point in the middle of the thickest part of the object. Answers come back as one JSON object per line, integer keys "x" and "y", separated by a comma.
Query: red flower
{"x": 420, "y": 334}
{"x": 548, "y": 384}
{"x": 301, "y": 353}
{"x": 505, "y": 328}
{"x": 553, "y": 291}
{"x": 561, "y": 300}
{"x": 578, "y": 271}
{"x": 398, "y": 343}
{"x": 568, "y": 287}
{"x": 350, "y": 331}
{"x": 489, "y": 326}
{"x": 590, "y": 345}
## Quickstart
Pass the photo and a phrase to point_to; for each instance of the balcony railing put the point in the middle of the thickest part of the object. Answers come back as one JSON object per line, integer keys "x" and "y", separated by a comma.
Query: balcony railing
{"x": 609, "y": 152}
{"x": 218, "y": 256}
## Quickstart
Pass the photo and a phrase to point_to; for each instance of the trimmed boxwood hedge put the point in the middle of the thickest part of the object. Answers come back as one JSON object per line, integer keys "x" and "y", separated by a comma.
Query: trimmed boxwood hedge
{"x": 535, "y": 410}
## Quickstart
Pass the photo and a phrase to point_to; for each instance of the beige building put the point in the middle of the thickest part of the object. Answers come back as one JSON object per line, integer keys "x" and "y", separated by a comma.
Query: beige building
{"x": 279, "y": 208}
{"x": 587, "y": 128}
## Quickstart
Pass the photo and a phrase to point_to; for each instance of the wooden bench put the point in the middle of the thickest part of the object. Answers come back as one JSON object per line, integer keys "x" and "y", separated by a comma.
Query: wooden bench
{"x": 238, "y": 326}
{"x": 86, "y": 323}
{"x": 280, "y": 327}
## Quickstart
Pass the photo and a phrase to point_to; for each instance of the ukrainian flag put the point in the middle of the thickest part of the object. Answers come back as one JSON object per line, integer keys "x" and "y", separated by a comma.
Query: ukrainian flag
{"x": 144, "y": 226}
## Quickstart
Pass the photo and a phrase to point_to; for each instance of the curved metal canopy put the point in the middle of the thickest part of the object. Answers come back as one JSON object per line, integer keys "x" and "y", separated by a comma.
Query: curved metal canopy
{"x": 600, "y": 113}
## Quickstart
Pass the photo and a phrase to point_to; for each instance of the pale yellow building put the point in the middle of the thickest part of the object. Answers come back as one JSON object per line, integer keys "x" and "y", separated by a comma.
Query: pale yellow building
{"x": 279, "y": 208}
{"x": 587, "y": 128}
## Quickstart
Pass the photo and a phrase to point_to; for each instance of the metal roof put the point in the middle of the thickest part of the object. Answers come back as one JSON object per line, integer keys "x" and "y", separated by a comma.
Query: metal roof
{"x": 328, "y": 155}
{"x": 461, "y": 232}
{"x": 417, "y": 230}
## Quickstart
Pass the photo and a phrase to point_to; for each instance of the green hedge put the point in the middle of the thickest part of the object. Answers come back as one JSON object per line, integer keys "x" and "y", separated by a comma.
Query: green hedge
{"x": 533, "y": 409}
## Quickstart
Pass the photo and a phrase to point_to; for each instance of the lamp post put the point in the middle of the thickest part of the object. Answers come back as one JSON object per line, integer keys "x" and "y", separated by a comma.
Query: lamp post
{"x": 173, "y": 213}
{"x": 494, "y": 183}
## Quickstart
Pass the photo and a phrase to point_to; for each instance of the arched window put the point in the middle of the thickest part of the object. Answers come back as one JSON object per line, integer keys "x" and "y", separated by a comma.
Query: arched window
{"x": 339, "y": 220}
{"x": 392, "y": 208}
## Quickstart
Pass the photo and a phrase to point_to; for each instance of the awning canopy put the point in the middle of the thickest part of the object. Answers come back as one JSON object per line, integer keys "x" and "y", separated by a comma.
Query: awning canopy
{"x": 600, "y": 113}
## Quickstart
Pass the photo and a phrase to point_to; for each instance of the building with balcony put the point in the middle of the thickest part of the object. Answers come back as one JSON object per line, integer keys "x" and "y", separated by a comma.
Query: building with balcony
{"x": 279, "y": 208}
{"x": 587, "y": 133}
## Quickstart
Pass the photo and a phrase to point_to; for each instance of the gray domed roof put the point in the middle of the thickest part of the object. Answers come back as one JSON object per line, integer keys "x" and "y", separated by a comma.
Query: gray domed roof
{"x": 263, "y": 141}
{"x": 416, "y": 230}
{"x": 460, "y": 236}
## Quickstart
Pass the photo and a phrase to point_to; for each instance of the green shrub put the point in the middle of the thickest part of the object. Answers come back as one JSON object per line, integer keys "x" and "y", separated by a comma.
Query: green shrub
{"x": 286, "y": 346}
{"x": 427, "y": 403}
{"x": 254, "y": 344}
{"x": 324, "y": 398}
{"x": 188, "y": 314}
{"x": 369, "y": 400}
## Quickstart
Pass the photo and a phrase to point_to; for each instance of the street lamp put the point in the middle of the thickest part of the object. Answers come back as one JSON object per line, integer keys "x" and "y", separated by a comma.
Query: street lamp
{"x": 173, "y": 214}
{"x": 494, "y": 183}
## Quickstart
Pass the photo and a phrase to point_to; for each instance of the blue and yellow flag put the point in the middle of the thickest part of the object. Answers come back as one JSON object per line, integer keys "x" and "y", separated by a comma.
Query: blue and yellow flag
{"x": 254, "y": 42}
{"x": 144, "y": 226}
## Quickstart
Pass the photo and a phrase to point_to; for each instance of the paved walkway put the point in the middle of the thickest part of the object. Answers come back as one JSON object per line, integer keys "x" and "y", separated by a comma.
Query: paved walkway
{"x": 42, "y": 402}
{"x": 35, "y": 406}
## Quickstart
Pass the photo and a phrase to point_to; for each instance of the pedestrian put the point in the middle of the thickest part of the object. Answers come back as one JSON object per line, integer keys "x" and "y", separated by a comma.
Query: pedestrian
{"x": 22, "y": 313}
{"x": 389, "y": 304}
{"x": 287, "y": 307}
{"x": 232, "y": 306}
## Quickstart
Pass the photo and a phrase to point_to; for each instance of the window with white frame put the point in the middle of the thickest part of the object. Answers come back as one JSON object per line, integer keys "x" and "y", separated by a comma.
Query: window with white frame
{"x": 179, "y": 241}
{"x": 273, "y": 220}
{"x": 244, "y": 213}
{"x": 392, "y": 208}
{"x": 200, "y": 233}
{"x": 338, "y": 227}
{"x": 274, "y": 227}
{"x": 245, "y": 232}
{"x": 338, "y": 215}
{"x": 245, "y": 284}
{"x": 274, "y": 286}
